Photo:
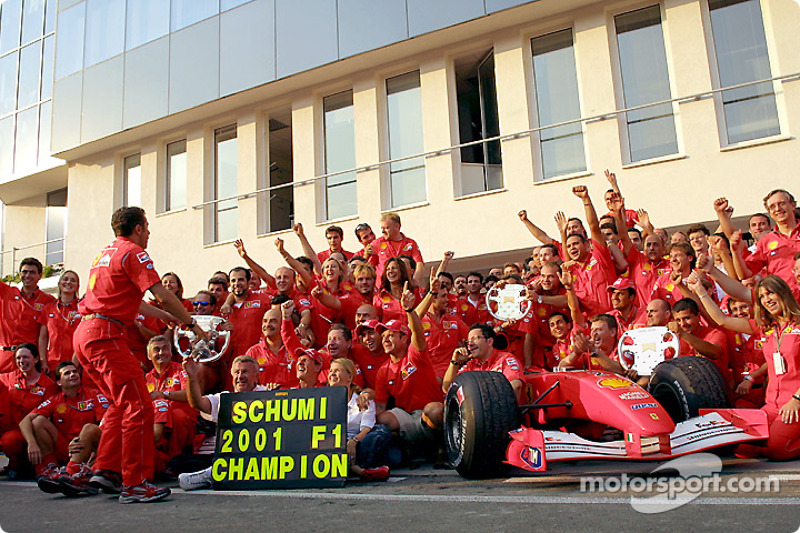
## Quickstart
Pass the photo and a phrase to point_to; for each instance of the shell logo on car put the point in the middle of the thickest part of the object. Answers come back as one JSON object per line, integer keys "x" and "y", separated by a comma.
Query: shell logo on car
{"x": 615, "y": 383}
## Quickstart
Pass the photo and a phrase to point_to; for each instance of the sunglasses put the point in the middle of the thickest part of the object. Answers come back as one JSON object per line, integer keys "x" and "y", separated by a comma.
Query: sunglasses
{"x": 200, "y": 303}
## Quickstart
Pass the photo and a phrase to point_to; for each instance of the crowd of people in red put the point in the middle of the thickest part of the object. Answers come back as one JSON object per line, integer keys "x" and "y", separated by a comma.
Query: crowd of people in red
{"x": 97, "y": 379}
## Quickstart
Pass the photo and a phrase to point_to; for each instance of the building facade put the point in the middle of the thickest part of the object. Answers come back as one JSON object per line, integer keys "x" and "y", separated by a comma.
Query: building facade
{"x": 233, "y": 119}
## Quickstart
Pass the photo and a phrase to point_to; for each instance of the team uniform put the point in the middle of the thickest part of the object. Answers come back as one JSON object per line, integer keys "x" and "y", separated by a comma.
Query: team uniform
{"x": 644, "y": 273}
{"x": 19, "y": 321}
{"x": 118, "y": 278}
{"x": 61, "y": 321}
{"x": 498, "y": 361}
{"x": 443, "y": 336}
{"x": 386, "y": 249}
{"x": 325, "y": 254}
{"x": 21, "y": 398}
{"x": 712, "y": 336}
{"x": 70, "y": 413}
{"x": 784, "y": 439}
{"x": 273, "y": 367}
{"x": 747, "y": 357}
{"x": 593, "y": 278}
{"x": 246, "y": 319}
{"x": 178, "y": 417}
{"x": 368, "y": 362}
{"x": 775, "y": 252}
{"x": 473, "y": 312}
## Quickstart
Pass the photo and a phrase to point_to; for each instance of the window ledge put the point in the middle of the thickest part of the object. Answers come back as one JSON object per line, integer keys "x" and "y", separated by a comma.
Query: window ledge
{"x": 268, "y": 234}
{"x": 218, "y": 243}
{"x": 756, "y": 142}
{"x": 406, "y": 207}
{"x": 564, "y": 177}
{"x": 655, "y": 160}
{"x": 172, "y": 212}
{"x": 337, "y": 220}
{"x": 480, "y": 194}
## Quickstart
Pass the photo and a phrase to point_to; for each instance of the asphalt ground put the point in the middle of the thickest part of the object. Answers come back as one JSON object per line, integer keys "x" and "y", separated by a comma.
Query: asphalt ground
{"x": 427, "y": 499}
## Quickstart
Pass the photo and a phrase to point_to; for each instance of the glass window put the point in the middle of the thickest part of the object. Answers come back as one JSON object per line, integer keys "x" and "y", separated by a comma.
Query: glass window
{"x": 69, "y": 46}
{"x": 10, "y": 14}
{"x": 50, "y": 16}
{"x": 147, "y": 20}
{"x": 47, "y": 68}
{"x": 56, "y": 226}
{"x": 340, "y": 154}
{"x": 105, "y": 30}
{"x": 404, "y": 102}
{"x": 6, "y": 148}
{"x": 132, "y": 181}
{"x": 741, "y": 48}
{"x": 44, "y": 133}
{"x": 230, "y": 4}
{"x": 556, "y": 80}
{"x": 187, "y": 12}
{"x": 27, "y": 140}
{"x": 476, "y": 92}
{"x": 226, "y": 183}
{"x": 281, "y": 200}
{"x": 176, "y": 175}
{"x": 32, "y": 20}
{"x": 645, "y": 79}
{"x": 30, "y": 65}
{"x": 8, "y": 83}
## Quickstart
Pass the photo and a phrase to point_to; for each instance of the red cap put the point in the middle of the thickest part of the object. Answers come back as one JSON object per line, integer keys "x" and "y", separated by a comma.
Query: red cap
{"x": 311, "y": 353}
{"x": 367, "y": 324}
{"x": 621, "y": 284}
{"x": 392, "y": 325}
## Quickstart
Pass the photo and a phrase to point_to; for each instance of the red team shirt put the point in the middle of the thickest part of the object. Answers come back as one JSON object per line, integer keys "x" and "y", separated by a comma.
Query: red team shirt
{"x": 246, "y": 319}
{"x": 23, "y": 397}
{"x": 775, "y": 252}
{"x": 498, "y": 361}
{"x": 272, "y": 367}
{"x": 118, "y": 277}
{"x": 644, "y": 273}
{"x": 61, "y": 321}
{"x": 593, "y": 278}
{"x": 443, "y": 337}
{"x": 368, "y": 362}
{"x": 70, "y": 414}
{"x": 780, "y": 387}
{"x": 386, "y": 249}
{"x": 19, "y": 320}
{"x": 411, "y": 382}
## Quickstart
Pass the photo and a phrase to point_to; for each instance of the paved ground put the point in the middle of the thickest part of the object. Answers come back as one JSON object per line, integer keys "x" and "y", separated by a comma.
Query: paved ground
{"x": 425, "y": 499}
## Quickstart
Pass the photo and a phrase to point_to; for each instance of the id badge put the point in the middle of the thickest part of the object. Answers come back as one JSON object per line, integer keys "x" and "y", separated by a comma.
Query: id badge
{"x": 779, "y": 363}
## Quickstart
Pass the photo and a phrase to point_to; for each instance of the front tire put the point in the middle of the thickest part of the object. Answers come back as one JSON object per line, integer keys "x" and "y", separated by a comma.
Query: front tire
{"x": 479, "y": 411}
{"x": 684, "y": 385}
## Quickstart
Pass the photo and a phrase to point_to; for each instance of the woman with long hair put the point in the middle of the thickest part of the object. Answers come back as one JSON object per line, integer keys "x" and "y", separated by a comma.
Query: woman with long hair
{"x": 60, "y": 320}
{"x": 777, "y": 324}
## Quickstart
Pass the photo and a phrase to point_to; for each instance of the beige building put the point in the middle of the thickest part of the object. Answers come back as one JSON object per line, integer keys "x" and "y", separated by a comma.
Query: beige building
{"x": 241, "y": 120}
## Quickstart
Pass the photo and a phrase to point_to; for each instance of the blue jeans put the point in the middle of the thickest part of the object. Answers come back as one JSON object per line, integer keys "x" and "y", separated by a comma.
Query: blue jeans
{"x": 371, "y": 450}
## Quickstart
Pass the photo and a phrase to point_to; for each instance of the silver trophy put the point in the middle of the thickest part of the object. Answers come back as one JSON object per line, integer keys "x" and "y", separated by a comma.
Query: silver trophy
{"x": 642, "y": 349}
{"x": 508, "y": 303}
{"x": 201, "y": 350}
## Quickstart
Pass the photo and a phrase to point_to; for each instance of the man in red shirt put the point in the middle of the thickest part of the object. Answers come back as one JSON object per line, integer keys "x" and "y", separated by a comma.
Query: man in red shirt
{"x": 682, "y": 261}
{"x": 20, "y": 311}
{"x": 393, "y": 243}
{"x": 118, "y": 278}
{"x": 219, "y": 288}
{"x": 443, "y": 331}
{"x": 591, "y": 264}
{"x": 409, "y": 379}
{"x": 372, "y": 358}
{"x": 480, "y": 354}
{"x": 775, "y": 250}
{"x": 697, "y": 339}
{"x": 472, "y": 307}
{"x": 248, "y": 309}
{"x": 274, "y": 363}
{"x": 623, "y": 303}
{"x": 175, "y": 421}
{"x": 64, "y": 428}
{"x": 334, "y": 235}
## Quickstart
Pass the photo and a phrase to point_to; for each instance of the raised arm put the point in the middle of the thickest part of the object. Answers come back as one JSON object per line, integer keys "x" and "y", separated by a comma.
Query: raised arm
{"x": 724, "y": 213}
{"x": 618, "y": 208}
{"x": 591, "y": 215}
{"x": 414, "y": 323}
{"x": 255, "y": 267}
{"x": 308, "y": 251}
{"x": 734, "y": 324}
{"x": 572, "y": 299}
{"x": 193, "y": 392}
{"x": 293, "y": 263}
{"x": 535, "y": 230}
{"x": 645, "y": 223}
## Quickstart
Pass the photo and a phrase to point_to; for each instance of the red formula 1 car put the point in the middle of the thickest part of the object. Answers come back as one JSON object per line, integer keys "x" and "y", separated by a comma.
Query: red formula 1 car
{"x": 589, "y": 415}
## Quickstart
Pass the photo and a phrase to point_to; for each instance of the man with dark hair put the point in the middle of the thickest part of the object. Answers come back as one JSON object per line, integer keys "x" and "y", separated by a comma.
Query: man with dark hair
{"x": 218, "y": 286}
{"x": 20, "y": 311}
{"x": 624, "y": 308}
{"x": 697, "y": 339}
{"x": 64, "y": 428}
{"x": 248, "y": 308}
{"x": 334, "y": 235}
{"x": 118, "y": 278}
{"x": 460, "y": 286}
{"x": 681, "y": 261}
{"x": 698, "y": 237}
{"x": 759, "y": 225}
{"x": 472, "y": 307}
{"x": 480, "y": 354}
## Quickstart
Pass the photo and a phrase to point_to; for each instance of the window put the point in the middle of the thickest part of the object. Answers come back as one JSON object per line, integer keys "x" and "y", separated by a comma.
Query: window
{"x": 187, "y": 12}
{"x": 556, "y": 81}
{"x": 8, "y": 83}
{"x": 56, "y": 226}
{"x": 476, "y": 92}
{"x": 147, "y": 20}
{"x": 741, "y": 49}
{"x": 645, "y": 79}
{"x": 132, "y": 180}
{"x": 105, "y": 30}
{"x": 404, "y": 103}
{"x": 176, "y": 176}
{"x": 69, "y": 46}
{"x": 226, "y": 183}
{"x": 30, "y": 65}
{"x": 279, "y": 202}
{"x": 340, "y": 155}
{"x": 10, "y": 15}
{"x": 32, "y": 20}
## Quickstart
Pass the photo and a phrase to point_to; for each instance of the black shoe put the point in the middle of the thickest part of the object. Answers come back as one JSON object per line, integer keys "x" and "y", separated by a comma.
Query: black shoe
{"x": 107, "y": 481}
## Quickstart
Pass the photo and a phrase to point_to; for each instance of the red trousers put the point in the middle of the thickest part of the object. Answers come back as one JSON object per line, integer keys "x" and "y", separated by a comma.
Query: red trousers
{"x": 178, "y": 438}
{"x": 126, "y": 445}
{"x": 13, "y": 444}
{"x": 784, "y": 439}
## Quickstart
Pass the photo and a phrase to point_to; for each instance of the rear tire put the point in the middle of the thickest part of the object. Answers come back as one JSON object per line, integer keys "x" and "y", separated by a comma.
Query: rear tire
{"x": 479, "y": 411}
{"x": 684, "y": 385}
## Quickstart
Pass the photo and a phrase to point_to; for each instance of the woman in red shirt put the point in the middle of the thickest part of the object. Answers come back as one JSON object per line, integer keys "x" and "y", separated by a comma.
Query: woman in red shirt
{"x": 58, "y": 321}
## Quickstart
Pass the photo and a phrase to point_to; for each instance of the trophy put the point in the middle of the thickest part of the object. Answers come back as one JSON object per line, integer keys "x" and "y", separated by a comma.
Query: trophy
{"x": 203, "y": 351}
{"x": 509, "y": 302}
{"x": 643, "y": 348}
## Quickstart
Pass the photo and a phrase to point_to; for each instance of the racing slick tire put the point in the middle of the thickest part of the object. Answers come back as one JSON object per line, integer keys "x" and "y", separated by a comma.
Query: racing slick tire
{"x": 684, "y": 385}
{"x": 479, "y": 411}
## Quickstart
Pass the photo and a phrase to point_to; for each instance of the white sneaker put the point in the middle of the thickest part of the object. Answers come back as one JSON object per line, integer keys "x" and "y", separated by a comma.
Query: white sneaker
{"x": 195, "y": 480}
